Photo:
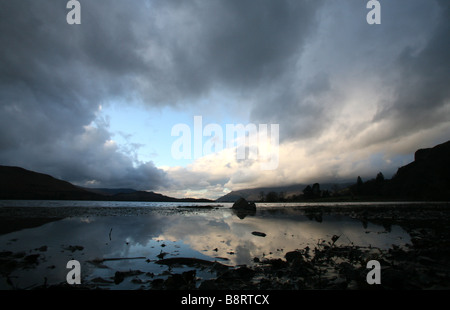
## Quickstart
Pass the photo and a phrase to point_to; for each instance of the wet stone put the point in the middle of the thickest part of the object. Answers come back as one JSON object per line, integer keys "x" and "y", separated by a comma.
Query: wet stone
{"x": 258, "y": 233}
{"x": 293, "y": 256}
{"x": 31, "y": 259}
{"x": 73, "y": 248}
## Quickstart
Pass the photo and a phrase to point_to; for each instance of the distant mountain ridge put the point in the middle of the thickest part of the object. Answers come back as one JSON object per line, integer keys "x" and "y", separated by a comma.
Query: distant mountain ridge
{"x": 255, "y": 194}
{"x": 109, "y": 191}
{"x": 21, "y": 184}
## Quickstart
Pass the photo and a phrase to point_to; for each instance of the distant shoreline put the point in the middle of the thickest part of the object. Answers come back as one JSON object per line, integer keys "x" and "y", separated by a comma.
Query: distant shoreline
{"x": 205, "y": 204}
{"x": 17, "y": 217}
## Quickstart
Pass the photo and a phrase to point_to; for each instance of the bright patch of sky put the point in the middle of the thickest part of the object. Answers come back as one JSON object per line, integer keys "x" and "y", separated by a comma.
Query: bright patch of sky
{"x": 145, "y": 132}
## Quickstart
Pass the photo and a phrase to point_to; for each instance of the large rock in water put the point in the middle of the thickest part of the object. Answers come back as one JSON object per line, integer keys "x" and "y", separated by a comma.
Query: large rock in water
{"x": 244, "y": 205}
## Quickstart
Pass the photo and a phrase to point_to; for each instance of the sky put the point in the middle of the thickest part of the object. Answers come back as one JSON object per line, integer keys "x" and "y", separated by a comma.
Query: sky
{"x": 97, "y": 103}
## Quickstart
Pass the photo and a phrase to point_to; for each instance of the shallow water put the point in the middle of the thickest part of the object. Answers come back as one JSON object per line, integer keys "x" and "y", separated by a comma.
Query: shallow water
{"x": 142, "y": 233}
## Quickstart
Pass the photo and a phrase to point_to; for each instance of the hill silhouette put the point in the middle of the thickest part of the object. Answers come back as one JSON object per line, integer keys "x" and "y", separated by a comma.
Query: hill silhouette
{"x": 426, "y": 178}
{"x": 21, "y": 184}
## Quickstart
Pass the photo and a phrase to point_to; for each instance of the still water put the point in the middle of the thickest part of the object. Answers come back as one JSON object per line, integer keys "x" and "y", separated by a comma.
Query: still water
{"x": 133, "y": 236}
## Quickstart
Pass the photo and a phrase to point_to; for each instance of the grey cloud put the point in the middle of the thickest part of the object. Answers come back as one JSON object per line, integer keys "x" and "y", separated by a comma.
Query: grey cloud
{"x": 423, "y": 84}
{"x": 256, "y": 43}
{"x": 406, "y": 55}
{"x": 164, "y": 52}
{"x": 53, "y": 77}
{"x": 238, "y": 45}
{"x": 92, "y": 159}
{"x": 297, "y": 106}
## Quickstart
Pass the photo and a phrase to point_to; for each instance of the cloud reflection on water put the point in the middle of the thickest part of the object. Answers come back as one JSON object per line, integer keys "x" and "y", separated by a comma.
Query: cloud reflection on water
{"x": 210, "y": 234}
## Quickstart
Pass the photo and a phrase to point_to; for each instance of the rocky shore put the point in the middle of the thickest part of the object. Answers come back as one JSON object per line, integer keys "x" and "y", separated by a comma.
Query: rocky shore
{"x": 425, "y": 264}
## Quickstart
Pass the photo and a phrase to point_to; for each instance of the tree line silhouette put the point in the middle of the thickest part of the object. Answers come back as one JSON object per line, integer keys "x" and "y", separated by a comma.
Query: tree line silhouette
{"x": 371, "y": 188}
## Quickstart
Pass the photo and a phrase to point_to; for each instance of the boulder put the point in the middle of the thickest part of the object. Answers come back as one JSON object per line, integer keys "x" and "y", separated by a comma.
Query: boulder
{"x": 294, "y": 256}
{"x": 242, "y": 204}
{"x": 258, "y": 233}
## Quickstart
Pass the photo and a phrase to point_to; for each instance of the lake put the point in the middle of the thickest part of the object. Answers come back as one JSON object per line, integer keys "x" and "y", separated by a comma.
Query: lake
{"x": 107, "y": 237}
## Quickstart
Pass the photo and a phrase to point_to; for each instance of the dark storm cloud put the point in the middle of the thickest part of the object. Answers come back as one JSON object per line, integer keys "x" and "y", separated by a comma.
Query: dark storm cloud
{"x": 49, "y": 85}
{"x": 423, "y": 87}
{"x": 251, "y": 44}
{"x": 405, "y": 58}
{"x": 53, "y": 76}
{"x": 237, "y": 45}
{"x": 421, "y": 96}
